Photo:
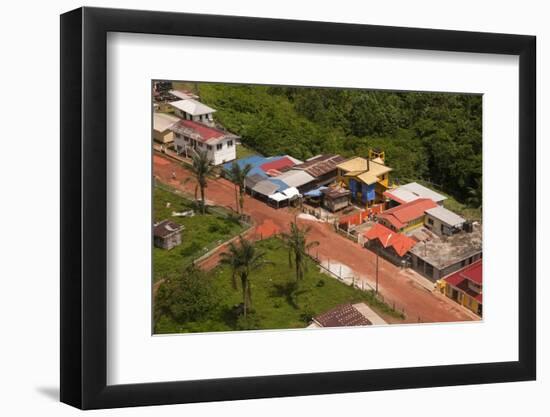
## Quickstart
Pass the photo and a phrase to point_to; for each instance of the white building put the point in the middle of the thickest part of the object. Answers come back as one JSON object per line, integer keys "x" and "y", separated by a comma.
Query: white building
{"x": 190, "y": 109}
{"x": 219, "y": 145}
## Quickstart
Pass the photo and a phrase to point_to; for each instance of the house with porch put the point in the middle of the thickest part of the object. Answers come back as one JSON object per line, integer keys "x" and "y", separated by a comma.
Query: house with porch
{"x": 219, "y": 145}
{"x": 366, "y": 178}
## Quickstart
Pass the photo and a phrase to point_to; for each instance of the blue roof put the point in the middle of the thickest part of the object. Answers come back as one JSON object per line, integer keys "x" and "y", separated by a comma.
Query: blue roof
{"x": 255, "y": 161}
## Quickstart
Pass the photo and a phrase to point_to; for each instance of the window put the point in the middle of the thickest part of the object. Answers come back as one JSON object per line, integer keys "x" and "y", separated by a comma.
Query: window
{"x": 186, "y": 139}
{"x": 430, "y": 222}
{"x": 229, "y": 143}
{"x": 209, "y": 147}
{"x": 219, "y": 146}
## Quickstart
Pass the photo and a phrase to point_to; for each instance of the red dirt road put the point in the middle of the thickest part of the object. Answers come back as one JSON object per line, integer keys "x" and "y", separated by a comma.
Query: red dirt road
{"x": 395, "y": 284}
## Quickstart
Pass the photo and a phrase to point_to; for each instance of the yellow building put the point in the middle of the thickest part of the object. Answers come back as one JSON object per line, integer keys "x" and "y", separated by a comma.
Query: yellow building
{"x": 366, "y": 178}
{"x": 162, "y": 122}
{"x": 465, "y": 287}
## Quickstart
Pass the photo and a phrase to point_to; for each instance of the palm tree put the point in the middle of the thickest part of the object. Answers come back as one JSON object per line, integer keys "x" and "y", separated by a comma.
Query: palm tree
{"x": 238, "y": 176}
{"x": 243, "y": 259}
{"x": 201, "y": 168}
{"x": 298, "y": 247}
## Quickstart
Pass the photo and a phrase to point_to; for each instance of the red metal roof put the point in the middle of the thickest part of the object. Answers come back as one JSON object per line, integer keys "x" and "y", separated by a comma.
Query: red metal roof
{"x": 388, "y": 238}
{"x": 472, "y": 272}
{"x": 278, "y": 164}
{"x": 401, "y": 215}
{"x": 204, "y": 131}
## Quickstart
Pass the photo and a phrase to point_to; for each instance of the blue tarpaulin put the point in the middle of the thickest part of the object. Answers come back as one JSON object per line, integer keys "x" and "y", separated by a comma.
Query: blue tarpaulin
{"x": 316, "y": 192}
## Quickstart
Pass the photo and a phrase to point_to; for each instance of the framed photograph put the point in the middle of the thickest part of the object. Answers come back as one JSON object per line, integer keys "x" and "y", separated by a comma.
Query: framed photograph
{"x": 257, "y": 208}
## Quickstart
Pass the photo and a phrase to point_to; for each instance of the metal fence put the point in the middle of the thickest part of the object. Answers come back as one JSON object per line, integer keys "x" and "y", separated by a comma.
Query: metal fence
{"x": 356, "y": 282}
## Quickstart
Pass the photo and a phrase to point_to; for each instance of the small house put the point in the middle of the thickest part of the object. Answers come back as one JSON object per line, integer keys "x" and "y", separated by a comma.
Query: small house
{"x": 167, "y": 234}
{"x": 190, "y": 109}
{"x": 389, "y": 244}
{"x": 162, "y": 122}
{"x": 466, "y": 287}
{"x": 408, "y": 216}
{"x": 219, "y": 145}
{"x": 335, "y": 199}
{"x": 443, "y": 222}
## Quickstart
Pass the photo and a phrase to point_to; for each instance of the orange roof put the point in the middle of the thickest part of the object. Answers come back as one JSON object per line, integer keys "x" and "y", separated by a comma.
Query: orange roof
{"x": 388, "y": 238}
{"x": 401, "y": 215}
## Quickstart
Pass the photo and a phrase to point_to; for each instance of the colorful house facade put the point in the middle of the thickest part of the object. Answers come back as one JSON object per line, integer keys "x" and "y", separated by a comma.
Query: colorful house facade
{"x": 466, "y": 287}
{"x": 366, "y": 178}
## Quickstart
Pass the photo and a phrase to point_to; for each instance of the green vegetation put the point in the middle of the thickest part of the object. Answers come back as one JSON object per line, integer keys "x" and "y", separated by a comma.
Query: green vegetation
{"x": 298, "y": 248}
{"x": 426, "y": 136}
{"x": 244, "y": 151}
{"x": 202, "y": 233}
{"x": 243, "y": 259}
{"x": 274, "y": 306}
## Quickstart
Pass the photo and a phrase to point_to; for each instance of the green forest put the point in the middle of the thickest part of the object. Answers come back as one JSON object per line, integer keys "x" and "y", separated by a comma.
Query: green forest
{"x": 431, "y": 137}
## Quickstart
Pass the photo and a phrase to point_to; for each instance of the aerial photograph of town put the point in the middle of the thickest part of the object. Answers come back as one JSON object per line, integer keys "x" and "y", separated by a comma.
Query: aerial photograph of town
{"x": 284, "y": 207}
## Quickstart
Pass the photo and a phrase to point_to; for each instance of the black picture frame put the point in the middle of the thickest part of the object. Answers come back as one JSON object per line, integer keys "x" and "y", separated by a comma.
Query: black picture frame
{"x": 84, "y": 207}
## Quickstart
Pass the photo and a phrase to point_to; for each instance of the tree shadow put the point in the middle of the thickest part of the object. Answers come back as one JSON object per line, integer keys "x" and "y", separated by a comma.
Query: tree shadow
{"x": 289, "y": 291}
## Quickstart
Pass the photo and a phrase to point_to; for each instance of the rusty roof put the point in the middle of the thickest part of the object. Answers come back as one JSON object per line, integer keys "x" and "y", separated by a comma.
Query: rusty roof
{"x": 165, "y": 228}
{"x": 321, "y": 164}
{"x": 342, "y": 316}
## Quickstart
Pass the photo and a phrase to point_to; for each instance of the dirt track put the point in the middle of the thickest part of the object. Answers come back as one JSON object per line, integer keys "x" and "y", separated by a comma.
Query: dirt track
{"x": 395, "y": 285}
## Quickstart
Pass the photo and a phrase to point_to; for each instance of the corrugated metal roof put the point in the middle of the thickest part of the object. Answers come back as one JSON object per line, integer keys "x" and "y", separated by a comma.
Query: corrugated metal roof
{"x": 423, "y": 192}
{"x": 163, "y": 121}
{"x": 192, "y": 107}
{"x": 252, "y": 180}
{"x": 342, "y": 315}
{"x": 295, "y": 178}
{"x": 388, "y": 238}
{"x": 269, "y": 187}
{"x": 321, "y": 164}
{"x": 446, "y": 216}
{"x": 401, "y": 215}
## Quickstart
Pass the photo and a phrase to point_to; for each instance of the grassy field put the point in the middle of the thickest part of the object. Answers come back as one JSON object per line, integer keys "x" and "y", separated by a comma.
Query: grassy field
{"x": 201, "y": 233}
{"x": 273, "y": 306}
{"x": 243, "y": 151}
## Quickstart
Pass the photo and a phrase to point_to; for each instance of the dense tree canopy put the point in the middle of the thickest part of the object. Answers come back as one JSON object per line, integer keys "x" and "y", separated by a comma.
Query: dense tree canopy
{"x": 434, "y": 137}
